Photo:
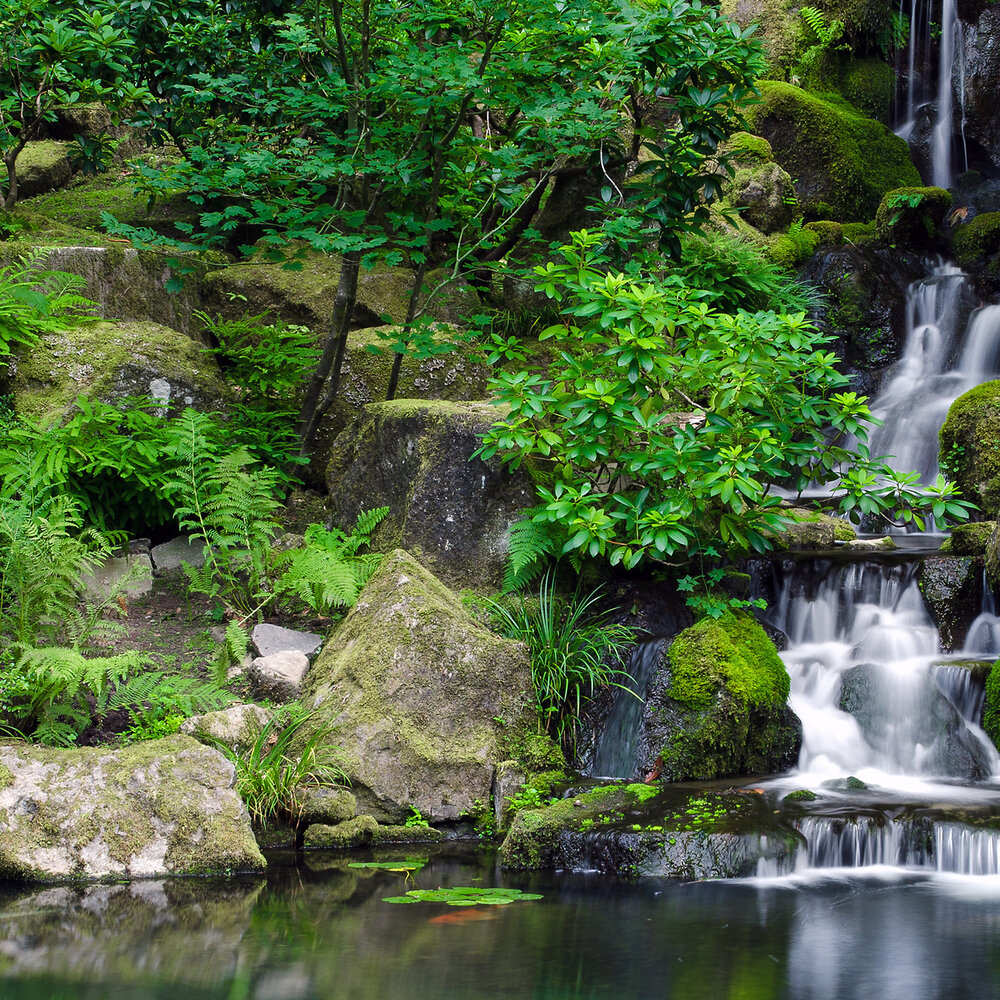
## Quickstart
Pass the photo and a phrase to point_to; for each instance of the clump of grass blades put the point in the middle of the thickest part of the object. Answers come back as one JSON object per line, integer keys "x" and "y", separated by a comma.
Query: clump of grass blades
{"x": 286, "y": 755}
{"x": 575, "y": 650}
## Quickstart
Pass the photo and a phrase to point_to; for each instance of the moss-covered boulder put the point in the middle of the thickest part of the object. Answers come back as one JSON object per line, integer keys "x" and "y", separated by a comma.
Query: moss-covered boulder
{"x": 109, "y": 361}
{"x": 867, "y": 83}
{"x": 976, "y": 244}
{"x": 911, "y": 216}
{"x": 952, "y": 589}
{"x": 42, "y": 166}
{"x": 423, "y": 699}
{"x": 970, "y": 539}
{"x": 763, "y": 193}
{"x": 991, "y": 705}
{"x": 970, "y": 446}
{"x": 842, "y": 162}
{"x": 450, "y": 510}
{"x": 643, "y": 830}
{"x": 165, "y": 807}
{"x": 716, "y": 704}
{"x": 306, "y": 296}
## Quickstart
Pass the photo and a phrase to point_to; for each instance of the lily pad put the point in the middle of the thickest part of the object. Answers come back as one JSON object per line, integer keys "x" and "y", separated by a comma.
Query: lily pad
{"x": 464, "y": 896}
{"x": 409, "y": 865}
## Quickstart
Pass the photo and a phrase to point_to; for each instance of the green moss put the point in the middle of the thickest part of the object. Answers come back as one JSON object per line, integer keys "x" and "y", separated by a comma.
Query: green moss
{"x": 838, "y": 156}
{"x": 779, "y": 28}
{"x": 793, "y": 247}
{"x": 867, "y": 84}
{"x": 351, "y": 833}
{"x": 970, "y": 446}
{"x": 731, "y": 651}
{"x": 746, "y": 146}
{"x": 910, "y": 216}
{"x": 970, "y": 539}
{"x": 383, "y": 835}
{"x": 801, "y": 795}
{"x": 828, "y": 234}
{"x": 978, "y": 242}
{"x": 859, "y": 233}
{"x": 642, "y": 793}
{"x": 534, "y": 751}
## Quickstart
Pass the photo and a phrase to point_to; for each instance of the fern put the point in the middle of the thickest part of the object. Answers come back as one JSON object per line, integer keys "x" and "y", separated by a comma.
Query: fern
{"x": 328, "y": 572}
{"x": 153, "y": 691}
{"x": 532, "y": 545}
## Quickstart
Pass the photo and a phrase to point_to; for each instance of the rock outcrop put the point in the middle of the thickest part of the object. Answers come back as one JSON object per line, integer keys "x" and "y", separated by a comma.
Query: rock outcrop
{"x": 165, "y": 807}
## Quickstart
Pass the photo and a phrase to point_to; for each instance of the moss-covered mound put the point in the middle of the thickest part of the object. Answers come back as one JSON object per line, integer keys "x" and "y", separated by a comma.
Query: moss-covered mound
{"x": 716, "y": 704}
{"x": 970, "y": 446}
{"x": 910, "y": 216}
{"x": 842, "y": 162}
{"x": 867, "y": 83}
{"x": 779, "y": 27}
{"x": 978, "y": 242}
{"x": 991, "y": 707}
{"x": 42, "y": 166}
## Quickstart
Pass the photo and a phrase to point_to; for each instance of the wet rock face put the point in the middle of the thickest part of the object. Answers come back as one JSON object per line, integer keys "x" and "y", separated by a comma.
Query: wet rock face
{"x": 982, "y": 81}
{"x": 952, "y": 588}
{"x": 166, "y": 807}
{"x": 450, "y": 510}
{"x": 422, "y": 698}
{"x": 928, "y": 716}
{"x": 866, "y": 315}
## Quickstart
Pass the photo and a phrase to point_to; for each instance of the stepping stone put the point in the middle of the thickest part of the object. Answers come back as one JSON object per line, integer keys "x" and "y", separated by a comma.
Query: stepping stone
{"x": 268, "y": 639}
{"x": 278, "y": 676}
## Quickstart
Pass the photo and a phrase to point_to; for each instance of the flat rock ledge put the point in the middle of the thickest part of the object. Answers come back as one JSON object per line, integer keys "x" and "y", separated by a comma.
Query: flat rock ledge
{"x": 165, "y": 807}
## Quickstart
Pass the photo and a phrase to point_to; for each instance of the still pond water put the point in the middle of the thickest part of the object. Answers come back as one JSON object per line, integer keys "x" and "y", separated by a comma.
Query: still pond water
{"x": 321, "y": 931}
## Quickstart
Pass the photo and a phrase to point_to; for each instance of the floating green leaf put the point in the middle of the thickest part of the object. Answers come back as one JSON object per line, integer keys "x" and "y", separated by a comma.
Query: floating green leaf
{"x": 409, "y": 865}
{"x": 464, "y": 896}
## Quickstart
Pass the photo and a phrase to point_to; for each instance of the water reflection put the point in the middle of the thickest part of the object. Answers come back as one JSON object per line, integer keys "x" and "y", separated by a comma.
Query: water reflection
{"x": 323, "y": 932}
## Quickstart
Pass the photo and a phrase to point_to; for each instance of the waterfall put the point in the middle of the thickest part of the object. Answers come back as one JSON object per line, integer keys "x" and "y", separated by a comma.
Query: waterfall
{"x": 865, "y": 682}
{"x": 943, "y": 118}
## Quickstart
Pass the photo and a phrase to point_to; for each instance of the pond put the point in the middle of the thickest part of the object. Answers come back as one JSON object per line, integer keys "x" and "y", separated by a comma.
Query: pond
{"x": 321, "y": 930}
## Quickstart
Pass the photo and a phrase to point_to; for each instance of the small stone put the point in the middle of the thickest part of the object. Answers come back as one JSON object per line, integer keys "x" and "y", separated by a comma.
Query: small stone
{"x": 326, "y": 805}
{"x": 268, "y": 639}
{"x": 278, "y": 676}
{"x": 177, "y": 552}
{"x": 578, "y": 804}
{"x": 136, "y": 571}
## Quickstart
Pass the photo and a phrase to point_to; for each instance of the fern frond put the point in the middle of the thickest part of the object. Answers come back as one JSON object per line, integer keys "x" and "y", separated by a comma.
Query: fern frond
{"x": 531, "y": 545}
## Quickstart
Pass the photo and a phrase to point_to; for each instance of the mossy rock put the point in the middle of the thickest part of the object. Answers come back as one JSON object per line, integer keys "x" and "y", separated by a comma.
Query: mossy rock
{"x": 970, "y": 446}
{"x": 828, "y": 234}
{"x": 419, "y": 696}
{"x": 811, "y": 530}
{"x": 839, "y": 159}
{"x": 123, "y": 283}
{"x": 451, "y": 510}
{"x": 164, "y": 807}
{"x": 648, "y": 831}
{"x": 354, "y": 832}
{"x": 867, "y": 83}
{"x": 716, "y": 705}
{"x": 109, "y": 361}
{"x": 911, "y": 216}
{"x": 748, "y": 148}
{"x": 306, "y": 296}
{"x": 763, "y": 193}
{"x": 991, "y": 706}
{"x": 969, "y": 539}
{"x": 977, "y": 243}
{"x": 42, "y": 166}
{"x": 779, "y": 28}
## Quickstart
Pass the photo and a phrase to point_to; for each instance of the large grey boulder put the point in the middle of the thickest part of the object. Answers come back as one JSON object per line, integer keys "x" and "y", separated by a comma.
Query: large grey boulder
{"x": 452, "y": 511}
{"x": 166, "y": 807}
{"x": 952, "y": 588}
{"x": 423, "y": 699}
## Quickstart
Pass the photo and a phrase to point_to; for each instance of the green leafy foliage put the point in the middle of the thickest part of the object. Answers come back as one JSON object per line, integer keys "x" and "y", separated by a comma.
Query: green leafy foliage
{"x": 661, "y": 424}
{"x": 575, "y": 650}
{"x": 158, "y": 703}
{"x": 34, "y": 300}
{"x": 288, "y": 753}
{"x": 329, "y": 571}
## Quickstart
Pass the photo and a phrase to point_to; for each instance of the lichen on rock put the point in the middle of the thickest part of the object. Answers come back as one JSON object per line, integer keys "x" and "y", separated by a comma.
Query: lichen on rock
{"x": 164, "y": 807}
{"x": 420, "y": 696}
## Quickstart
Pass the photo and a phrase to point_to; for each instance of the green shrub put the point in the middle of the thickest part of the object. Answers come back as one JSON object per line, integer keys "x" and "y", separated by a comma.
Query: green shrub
{"x": 910, "y": 216}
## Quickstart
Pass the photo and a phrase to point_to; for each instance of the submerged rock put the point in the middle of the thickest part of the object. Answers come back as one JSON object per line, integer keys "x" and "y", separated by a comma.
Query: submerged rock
{"x": 716, "y": 705}
{"x": 423, "y": 699}
{"x": 165, "y": 807}
{"x": 450, "y": 510}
